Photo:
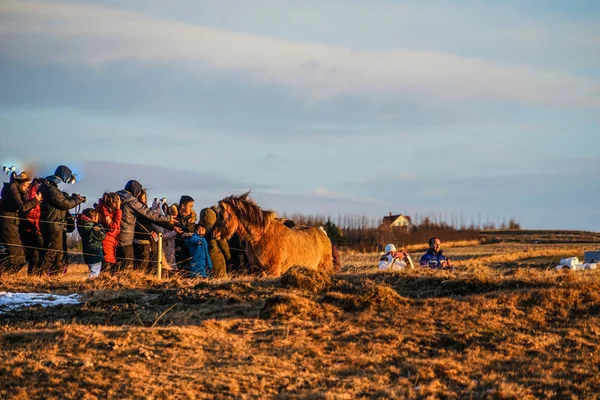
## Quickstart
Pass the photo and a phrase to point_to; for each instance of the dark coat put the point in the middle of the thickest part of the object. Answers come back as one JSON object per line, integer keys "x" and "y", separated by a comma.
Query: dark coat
{"x": 92, "y": 234}
{"x": 13, "y": 206}
{"x": 15, "y": 200}
{"x": 219, "y": 255}
{"x": 131, "y": 208}
{"x": 187, "y": 224}
{"x": 55, "y": 204}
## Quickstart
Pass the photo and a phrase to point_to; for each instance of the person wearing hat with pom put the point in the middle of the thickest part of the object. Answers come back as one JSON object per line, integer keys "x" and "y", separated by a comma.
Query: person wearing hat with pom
{"x": 14, "y": 206}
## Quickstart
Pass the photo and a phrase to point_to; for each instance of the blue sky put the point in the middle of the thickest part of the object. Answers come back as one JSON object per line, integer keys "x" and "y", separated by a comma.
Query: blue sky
{"x": 472, "y": 107}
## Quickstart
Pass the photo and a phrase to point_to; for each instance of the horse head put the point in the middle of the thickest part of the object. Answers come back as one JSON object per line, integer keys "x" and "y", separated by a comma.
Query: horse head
{"x": 241, "y": 214}
{"x": 227, "y": 222}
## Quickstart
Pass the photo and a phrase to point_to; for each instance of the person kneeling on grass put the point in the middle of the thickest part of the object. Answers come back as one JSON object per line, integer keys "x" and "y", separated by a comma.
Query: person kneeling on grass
{"x": 394, "y": 260}
{"x": 434, "y": 258}
{"x": 92, "y": 234}
{"x": 200, "y": 265}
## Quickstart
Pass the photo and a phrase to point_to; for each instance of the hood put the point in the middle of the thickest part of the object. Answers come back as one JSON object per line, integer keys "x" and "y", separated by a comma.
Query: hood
{"x": 125, "y": 196}
{"x": 208, "y": 217}
{"x": 134, "y": 187}
{"x": 63, "y": 172}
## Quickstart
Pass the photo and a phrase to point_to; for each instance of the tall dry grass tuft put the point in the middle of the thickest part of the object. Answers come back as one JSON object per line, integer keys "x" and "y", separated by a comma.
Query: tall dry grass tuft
{"x": 503, "y": 325}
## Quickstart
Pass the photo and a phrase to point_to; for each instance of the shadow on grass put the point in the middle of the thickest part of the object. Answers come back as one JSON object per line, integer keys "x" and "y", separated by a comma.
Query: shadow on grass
{"x": 275, "y": 299}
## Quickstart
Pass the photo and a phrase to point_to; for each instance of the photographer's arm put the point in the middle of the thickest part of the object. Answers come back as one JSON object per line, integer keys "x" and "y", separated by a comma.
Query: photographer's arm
{"x": 62, "y": 202}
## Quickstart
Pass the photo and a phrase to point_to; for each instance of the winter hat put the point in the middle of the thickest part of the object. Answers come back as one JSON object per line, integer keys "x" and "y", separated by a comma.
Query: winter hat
{"x": 21, "y": 177}
{"x": 134, "y": 187}
{"x": 65, "y": 174}
{"x": 208, "y": 217}
{"x": 389, "y": 248}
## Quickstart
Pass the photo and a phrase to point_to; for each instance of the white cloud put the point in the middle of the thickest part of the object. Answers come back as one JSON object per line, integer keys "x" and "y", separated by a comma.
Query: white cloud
{"x": 62, "y": 33}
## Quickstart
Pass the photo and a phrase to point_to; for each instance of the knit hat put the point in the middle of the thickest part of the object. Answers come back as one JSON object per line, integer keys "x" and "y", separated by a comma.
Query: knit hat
{"x": 389, "y": 248}
{"x": 208, "y": 217}
{"x": 21, "y": 177}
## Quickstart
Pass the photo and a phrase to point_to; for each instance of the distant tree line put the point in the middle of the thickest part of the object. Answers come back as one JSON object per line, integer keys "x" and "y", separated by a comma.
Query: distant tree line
{"x": 362, "y": 233}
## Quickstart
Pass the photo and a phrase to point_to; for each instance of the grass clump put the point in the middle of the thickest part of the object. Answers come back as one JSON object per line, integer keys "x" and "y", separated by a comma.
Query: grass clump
{"x": 307, "y": 279}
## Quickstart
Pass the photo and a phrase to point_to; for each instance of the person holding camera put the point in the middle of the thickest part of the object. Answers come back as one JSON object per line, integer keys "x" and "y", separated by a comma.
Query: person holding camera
{"x": 54, "y": 206}
{"x": 434, "y": 258}
{"x": 14, "y": 207}
{"x": 394, "y": 260}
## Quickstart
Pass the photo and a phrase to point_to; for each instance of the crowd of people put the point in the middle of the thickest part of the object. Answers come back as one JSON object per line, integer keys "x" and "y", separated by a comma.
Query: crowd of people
{"x": 119, "y": 232}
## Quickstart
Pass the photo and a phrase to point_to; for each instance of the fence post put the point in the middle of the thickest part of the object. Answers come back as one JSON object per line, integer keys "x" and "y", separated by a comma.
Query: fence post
{"x": 159, "y": 269}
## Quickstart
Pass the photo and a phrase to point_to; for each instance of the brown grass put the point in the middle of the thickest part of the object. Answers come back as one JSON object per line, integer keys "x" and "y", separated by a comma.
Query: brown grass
{"x": 504, "y": 325}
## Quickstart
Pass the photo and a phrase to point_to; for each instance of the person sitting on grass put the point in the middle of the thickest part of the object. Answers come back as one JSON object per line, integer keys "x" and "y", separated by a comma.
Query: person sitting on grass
{"x": 92, "y": 234}
{"x": 394, "y": 260}
{"x": 434, "y": 258}
{"x": 200, "y": 264}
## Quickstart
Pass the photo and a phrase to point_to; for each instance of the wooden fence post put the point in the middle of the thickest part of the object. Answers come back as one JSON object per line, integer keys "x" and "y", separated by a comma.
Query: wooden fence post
{"x": 160, "y": 257}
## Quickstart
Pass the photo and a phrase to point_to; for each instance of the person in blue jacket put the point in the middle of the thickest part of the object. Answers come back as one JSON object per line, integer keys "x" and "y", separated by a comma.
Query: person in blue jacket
{"x": 434, "y": 258}
{"x": 200, "y": 264}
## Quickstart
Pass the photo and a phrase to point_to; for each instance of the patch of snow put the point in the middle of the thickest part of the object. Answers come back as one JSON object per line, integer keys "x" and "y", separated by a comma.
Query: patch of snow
{"x": 11, "y": 301}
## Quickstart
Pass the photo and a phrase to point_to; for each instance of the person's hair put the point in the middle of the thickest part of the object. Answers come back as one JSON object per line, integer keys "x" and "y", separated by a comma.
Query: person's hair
{"x": 199, "y": 225}
{"x": 431, "y": 240}
{"x": 90, "y": 213}
{"x": 185, "y": 199}
{"x": 173, "y": 210}
{"x": 110, "y": 200}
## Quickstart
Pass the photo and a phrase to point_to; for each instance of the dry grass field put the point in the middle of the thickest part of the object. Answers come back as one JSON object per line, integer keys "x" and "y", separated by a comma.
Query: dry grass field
{"x": 504, "y": 325}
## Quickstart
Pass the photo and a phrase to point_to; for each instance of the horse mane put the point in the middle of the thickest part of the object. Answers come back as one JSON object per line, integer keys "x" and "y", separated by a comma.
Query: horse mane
{"x": 246, "y": 209}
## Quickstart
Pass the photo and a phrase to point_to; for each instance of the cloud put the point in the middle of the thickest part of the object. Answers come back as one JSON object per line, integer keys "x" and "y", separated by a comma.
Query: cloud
{"x": 161, "y": 180}
{"x": 75, "y": 35}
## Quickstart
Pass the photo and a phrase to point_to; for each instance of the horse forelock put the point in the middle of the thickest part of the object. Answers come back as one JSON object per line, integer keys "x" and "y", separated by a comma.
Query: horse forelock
{"x": 247, "y": 211}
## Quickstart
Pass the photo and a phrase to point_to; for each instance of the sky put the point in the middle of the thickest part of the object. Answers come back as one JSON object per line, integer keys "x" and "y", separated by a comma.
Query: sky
{"x": 486, "y": 109}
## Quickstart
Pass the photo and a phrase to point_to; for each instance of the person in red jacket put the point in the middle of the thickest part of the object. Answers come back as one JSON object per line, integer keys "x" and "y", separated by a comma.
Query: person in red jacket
{"x": 109, "y": 209}
{"x": 30, "y": 230}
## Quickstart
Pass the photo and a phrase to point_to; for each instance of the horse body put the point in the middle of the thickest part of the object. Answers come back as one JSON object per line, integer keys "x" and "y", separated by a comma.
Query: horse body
{"x": 273, "y": 246}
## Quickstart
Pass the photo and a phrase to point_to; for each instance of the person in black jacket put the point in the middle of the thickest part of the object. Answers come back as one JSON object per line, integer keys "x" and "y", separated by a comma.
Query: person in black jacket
{"x": 53, "y": 221}
{"x": 13, "y": 207}
{"x": 143, "y": 238}
{"x": 186, "y": 216}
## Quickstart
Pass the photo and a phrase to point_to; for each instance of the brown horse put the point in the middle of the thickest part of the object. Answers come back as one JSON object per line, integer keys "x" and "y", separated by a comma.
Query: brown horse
{"x": 273, "y": 246}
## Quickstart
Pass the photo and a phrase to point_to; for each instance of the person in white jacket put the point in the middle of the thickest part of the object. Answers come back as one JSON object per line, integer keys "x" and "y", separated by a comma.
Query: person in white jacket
{"x": 394, "y": 260}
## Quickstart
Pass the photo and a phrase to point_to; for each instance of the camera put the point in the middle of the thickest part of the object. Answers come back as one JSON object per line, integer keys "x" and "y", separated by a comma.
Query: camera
{"x": 83, "y": 198}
